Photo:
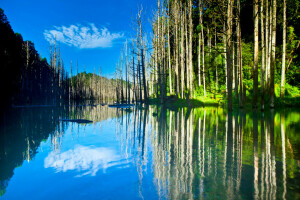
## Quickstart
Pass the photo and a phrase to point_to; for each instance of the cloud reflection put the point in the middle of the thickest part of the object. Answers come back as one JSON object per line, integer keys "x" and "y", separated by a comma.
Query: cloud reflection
{"x": 83, "y": 159}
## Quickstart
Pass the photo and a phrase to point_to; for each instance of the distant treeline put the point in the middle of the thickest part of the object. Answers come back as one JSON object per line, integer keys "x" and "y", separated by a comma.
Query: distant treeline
{"x": 91, "y": 86}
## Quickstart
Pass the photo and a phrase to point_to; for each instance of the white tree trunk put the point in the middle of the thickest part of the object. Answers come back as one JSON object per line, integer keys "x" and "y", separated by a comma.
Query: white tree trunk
{"x": 272, "y": 68}
{"x": 262, "y": 71}
{"x": 282, "y": 84}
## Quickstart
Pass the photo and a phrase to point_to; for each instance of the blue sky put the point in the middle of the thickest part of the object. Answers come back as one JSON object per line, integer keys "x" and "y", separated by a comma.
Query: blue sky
{"x": 89, "y": 31}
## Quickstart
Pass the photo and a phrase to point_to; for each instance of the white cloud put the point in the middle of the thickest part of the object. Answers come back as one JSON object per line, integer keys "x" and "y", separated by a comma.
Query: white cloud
{"x": 86, "y": 160}
{"x": 83, "y": 37}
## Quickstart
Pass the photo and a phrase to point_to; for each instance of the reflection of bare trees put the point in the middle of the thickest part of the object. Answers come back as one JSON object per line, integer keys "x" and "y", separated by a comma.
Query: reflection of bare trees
{"x": 268, "y": 187}
{"x": 283, "y": 155}
{"x": 92, "y": 113}
{"x": 204, "y": 153}
{"x": 192, "y": 153}
{"x": 21, "y": 133}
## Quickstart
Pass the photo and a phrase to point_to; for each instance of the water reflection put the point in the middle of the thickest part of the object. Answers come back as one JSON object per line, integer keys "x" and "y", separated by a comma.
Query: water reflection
{"x": 206, "y": 153}
{"x": 188, "y": 153}
{"x": 86, "y": 160}
{"x": 21, "y": 132}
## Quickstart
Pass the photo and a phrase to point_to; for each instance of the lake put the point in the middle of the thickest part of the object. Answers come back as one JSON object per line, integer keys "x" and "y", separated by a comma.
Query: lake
{"x": 149, "y": 153}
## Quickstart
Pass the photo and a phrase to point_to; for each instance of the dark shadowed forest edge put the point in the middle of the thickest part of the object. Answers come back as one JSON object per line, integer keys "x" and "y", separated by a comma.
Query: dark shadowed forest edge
{"x": 242, "y": 54}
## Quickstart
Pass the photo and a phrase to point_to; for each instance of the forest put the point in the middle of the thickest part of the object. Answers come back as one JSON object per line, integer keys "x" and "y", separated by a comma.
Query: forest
{"x": 242, "y": 53}
{"x": 234, "y": 53}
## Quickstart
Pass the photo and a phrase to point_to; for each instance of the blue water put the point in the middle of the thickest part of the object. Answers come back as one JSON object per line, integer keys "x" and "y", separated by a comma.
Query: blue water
{"x": 149, "y": 153}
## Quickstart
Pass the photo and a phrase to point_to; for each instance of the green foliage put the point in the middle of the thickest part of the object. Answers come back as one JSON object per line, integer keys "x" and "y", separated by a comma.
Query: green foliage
{"x": 248, "y": 83}
{"x": 290, "y": 91}
{"x": 198, "y": 91}
{"x": 198, "y": 28}
{"x": 293, "y": 69}
{"x": 219, "y": 60}
{"x": 247, "y": 55}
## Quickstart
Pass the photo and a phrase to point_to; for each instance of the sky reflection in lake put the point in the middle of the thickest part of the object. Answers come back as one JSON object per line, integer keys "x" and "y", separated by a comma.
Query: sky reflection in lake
{"x": 83, "y": 159}
{"x": 150, "y": 153}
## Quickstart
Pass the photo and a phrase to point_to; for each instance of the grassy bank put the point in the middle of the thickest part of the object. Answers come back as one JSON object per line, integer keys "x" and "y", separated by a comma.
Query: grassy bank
{"x": 291, "y": 99}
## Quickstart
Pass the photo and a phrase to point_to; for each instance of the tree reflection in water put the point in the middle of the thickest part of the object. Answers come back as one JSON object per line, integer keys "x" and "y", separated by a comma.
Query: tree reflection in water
{"x": 191, "y": 153}
{"x": 207, "y": 153}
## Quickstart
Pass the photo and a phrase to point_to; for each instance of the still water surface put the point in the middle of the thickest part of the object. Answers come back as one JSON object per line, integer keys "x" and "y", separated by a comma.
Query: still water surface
{"x": 149, "y": 153}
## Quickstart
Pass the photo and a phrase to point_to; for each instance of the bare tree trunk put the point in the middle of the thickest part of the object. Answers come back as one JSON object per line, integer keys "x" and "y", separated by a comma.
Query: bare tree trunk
{"x": 139, "y": 74}
{"x": 182, "y": 53}
{"x": 139, "y": 56}
{"x": 84, "y": 82}
{"x": 27, "y": 70}
{"x": 155, "y": 39}
{"x": 169, "y": 54}
{"x": 240, "y": 57}
{"x": 203, "y": 50}
{"x": 133, "y": 71}
{"x": 217, "y": 76}
{"x": 94, "y": 85}
{"x": 100, "y": 87}
{"x": 117, "y": 88}
{"x": 255, "y": 66}
{"x": 262, "y": 71}
{"x": 229, "y": 54}
{"x": 159, "y": 53}
{"x": 128, "y": 79}
{"x": 144, "y": 74}
{"x": 176, "y": 46}
{"x": 236, "y": 78}
{"x": 187, "y": 52}
{"x": 151, "y": 92}
{"x": 156, "y": 70}
{"x": 126, "y": 74}
{"x": 143, "y": 59}
{"x": 233, "y": 63}
{"x": 147, "y": 75}
{"x": 209, "y": 56}
{"x": 71, "y": 90}
{"x": 191, "y": 90}
{"x": 77, "y": 84}
{"x": 163, "y": 60}
{"x": 272, "y": 68}
{"x": 225, "y": 56}
{"x": 122, "y": 88}
{"x": 199, "y": 60}
{"x": 268, "y": 43}
{"x": 282, "y": 84}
